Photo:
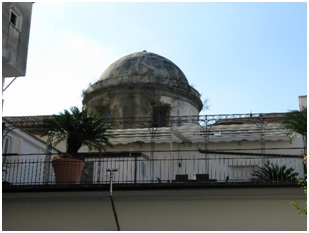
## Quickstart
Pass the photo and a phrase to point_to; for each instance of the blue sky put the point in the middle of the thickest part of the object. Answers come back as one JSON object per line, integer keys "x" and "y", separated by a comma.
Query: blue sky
{"x": 243, "y": 57}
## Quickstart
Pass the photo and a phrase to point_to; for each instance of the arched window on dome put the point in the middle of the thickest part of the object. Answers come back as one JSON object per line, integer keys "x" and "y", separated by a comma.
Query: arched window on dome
{"x": 160, "y": 115}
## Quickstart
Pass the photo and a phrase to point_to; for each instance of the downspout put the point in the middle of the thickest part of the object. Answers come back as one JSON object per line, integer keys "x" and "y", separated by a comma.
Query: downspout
{"x": 111, "y": 171}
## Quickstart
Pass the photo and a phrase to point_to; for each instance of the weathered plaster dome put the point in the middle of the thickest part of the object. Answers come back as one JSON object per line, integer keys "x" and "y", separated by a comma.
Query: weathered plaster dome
{"x": 143, "y": 84}
{"x": 146, "y": 64}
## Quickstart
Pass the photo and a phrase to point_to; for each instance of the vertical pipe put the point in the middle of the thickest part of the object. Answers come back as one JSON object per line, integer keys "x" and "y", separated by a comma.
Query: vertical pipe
{"x": 111, "y": 196}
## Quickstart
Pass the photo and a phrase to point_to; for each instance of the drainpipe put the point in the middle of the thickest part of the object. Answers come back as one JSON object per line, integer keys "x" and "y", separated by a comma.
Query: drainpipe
{"x": 111, "y": 172}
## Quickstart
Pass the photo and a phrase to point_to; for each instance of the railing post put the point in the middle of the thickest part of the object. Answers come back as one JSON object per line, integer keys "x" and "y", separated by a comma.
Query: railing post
{"x": 135, "y": 169}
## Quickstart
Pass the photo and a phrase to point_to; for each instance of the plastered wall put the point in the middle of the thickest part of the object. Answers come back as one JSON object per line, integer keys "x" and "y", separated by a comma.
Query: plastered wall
{"x": 199, "y": 209}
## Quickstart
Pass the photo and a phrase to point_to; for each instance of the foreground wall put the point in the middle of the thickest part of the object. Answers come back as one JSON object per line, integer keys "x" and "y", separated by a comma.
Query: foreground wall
{"x": 183, "y": 209}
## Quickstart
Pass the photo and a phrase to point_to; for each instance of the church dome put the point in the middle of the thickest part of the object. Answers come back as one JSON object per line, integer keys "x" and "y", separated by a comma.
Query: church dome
{"x": 143, "y": 84}
{"x": 146, "y": 64}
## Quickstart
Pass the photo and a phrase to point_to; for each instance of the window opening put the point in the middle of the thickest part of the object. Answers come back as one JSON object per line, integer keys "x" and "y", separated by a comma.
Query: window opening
{"x": 13, "y": 19}
{"x": 160, "y": 116}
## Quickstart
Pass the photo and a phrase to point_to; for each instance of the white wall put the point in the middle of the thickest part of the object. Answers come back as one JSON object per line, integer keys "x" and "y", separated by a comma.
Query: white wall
{"x": 25, "y": 148}
{"x": 181, "y": 209}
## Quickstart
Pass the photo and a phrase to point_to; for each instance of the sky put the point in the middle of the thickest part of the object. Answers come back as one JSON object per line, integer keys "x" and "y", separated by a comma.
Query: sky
{"x": 242, "y": 57}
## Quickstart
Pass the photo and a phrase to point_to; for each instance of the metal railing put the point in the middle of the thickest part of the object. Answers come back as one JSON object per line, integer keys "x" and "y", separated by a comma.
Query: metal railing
{"x": 204, "y": 168}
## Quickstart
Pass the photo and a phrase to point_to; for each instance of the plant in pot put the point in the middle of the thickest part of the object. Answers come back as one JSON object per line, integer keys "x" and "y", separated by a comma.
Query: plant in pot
{"x": 76, "y": 127}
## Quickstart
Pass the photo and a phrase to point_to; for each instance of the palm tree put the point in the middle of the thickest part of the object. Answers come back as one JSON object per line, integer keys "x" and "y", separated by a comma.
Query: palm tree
{"x": 296, "y": 121}
{"x": 78, "y": 128}
{"x": 274, "y": 173}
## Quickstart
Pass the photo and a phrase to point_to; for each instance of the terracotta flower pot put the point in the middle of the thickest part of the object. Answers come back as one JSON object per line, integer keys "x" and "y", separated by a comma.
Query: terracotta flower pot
{"x": 67, "y": 170}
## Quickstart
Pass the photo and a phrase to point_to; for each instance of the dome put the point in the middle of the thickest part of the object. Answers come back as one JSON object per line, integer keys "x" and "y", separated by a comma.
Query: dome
{"x": 142, "y": 85}
{"x": 145, "y": 64}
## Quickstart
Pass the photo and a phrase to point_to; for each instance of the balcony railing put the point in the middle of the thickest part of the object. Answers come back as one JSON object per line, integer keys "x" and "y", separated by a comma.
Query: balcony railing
{"x": 208, "y": 168}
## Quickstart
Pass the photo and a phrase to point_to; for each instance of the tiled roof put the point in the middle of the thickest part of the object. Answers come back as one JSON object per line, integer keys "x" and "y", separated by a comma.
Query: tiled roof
{"x": 27, "y": 122}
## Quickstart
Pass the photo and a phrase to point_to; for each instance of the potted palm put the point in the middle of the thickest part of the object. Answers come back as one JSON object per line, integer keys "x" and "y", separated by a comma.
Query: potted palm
{"x": 77, "y": 128}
